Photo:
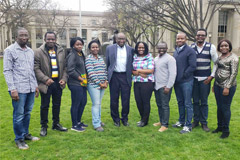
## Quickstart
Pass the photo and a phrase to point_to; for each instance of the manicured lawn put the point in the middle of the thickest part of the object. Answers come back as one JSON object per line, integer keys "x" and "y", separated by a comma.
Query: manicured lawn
{"x": 123, "y": 143}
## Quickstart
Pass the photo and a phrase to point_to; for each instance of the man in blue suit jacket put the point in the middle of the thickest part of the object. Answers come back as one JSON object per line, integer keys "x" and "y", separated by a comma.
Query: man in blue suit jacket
{"x": 119, "y": 59}
{"x": 186, "y": 64}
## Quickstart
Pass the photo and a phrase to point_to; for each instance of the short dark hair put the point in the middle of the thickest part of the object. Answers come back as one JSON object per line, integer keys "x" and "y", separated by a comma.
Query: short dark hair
{"x": 202, "y": 29}
{"x": 74, "y": 40}
{"x": 49, "y": 32}
{"x": 224, "y": 40}
{"x": 19, "y": 29}
{"x": 145, "y": 46}
{"x": 93, "y": 41}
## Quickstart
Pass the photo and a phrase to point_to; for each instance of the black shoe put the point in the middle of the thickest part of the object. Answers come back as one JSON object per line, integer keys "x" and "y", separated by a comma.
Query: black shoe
{"x": 117, "y": 124}
{"x": 81, "y": 124}
{"x": 205, "y": 128}
{"x": 43, "y": 131}
{"x": 30, "y": 137}
{"x": 125, "y": 123}
{"x": 21, "y": 144}
{"x": 59, "y": 127}
{"x": 224, "y": 135}
{"x": 217, "y": 130}
{"x": 195, "y": 124}
{"x": 141, "y": 124}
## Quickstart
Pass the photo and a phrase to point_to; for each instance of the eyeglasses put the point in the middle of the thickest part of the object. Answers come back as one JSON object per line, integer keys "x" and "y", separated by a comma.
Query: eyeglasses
{"x": 201, "y": 35}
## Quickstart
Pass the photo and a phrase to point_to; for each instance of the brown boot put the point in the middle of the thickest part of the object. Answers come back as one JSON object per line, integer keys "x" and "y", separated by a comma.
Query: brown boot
{"x": 205, "y": 128}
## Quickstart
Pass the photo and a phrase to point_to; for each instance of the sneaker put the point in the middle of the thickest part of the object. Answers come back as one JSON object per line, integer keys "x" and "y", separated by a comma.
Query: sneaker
{"x": 205, "y": 128}
{"x": 162, "y": 129}
{"x": 157, "y": 124}
{"x": 78, "y": 129}
{"x": 59, "y": 127}
{"x": 185, "y": 130}
{"x": 82, "y": 124}
{"x": 177, "y": 125}
{"x": 99, "y": 129}
{"x": 21, "y": 144}
{"x": 30, "y": 137}
{"x": 139, "y": 122}
{"x": 195, "y": 124}
{"x": 224, "y": 135}
{"x": 217, "y": 130}
{"x": 43, "y": 131}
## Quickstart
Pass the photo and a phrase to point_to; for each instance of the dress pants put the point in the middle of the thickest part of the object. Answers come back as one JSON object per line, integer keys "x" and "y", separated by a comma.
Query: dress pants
{"x": 119, "y": 84}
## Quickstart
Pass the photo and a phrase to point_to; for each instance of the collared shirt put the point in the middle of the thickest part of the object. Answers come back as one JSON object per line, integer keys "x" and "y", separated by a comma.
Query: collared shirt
{"x": 180, "y": 48}
{"x": 18, "y": 69}
{"x": 121, "y": 59}
{"x": 146, "y": 62}
{"x": 96, "y": 70}
{"x": 165, "y": 71}
{"x": 214, "y": 57}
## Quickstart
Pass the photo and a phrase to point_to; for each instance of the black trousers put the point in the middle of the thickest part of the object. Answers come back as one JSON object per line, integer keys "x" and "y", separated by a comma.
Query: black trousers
{"x": 119, "y": 84}
{"x": 143, "y": 93}
{"x": 55, "y": 91}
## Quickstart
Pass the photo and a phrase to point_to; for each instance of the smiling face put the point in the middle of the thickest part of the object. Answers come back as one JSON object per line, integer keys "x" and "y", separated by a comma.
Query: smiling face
{"x": 141, "y": 49}
{"x": 22, "y": 37}
{"x": 181, "y": 39}
{"x": 94, "y": 49}
{"x": 78, "y": 45}
{"x": 50, "y": 40}
{"x": 224, "y": 47}
{"x": 121, "y": 39}
{"x": 200, "y": 37}
{"x": 162, "y": 48}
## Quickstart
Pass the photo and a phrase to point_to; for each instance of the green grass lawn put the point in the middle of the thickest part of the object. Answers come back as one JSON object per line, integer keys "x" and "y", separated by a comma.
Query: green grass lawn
{"x": 125, "y": 143}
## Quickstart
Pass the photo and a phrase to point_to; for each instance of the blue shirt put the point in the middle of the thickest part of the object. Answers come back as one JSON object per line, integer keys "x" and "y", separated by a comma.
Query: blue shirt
{"x": 18, "y": 69}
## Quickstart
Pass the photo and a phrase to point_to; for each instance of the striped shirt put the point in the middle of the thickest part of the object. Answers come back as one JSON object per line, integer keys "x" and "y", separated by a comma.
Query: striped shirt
{"x": 96, "y": 70}
{"x": 54, "y": 65}
{"x": 146, "y": 62}
{"x": 18, "y": 69}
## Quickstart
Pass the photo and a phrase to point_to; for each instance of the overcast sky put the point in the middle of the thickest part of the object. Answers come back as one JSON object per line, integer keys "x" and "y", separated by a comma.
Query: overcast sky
{"x": 87, "y": 5}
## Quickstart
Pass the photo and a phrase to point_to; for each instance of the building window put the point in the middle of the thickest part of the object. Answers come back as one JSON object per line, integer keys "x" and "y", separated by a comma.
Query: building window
{"x": 94, "y": 22}
{"x": 84, "y": 34}
{"x": 72, "y": 33}
{"x": 94, "y": 35}
{"x": 222, "y": 24}
{"x": 104, "y": 36}
{"x": 39, "y": 34}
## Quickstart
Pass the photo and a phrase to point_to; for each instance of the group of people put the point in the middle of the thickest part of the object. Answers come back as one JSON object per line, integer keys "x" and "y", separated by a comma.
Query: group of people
{"x": 48, "y": 69}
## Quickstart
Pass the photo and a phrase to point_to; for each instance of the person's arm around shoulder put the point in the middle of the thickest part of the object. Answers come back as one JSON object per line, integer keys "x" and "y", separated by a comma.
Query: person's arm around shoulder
{"x": 214, "y": 57}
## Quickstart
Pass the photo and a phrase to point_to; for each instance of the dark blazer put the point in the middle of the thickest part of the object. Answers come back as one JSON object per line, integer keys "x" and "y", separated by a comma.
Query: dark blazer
{"x": 186, "y": 64}
{"x": 111, "y": 56}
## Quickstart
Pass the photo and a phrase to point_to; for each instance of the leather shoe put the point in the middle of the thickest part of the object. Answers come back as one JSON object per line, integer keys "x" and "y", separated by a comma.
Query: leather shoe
{"x": 195, "y": 124}
{"x": 59, "y": 127}
{"x": 43, "y": 132}
{"x": 205, "y": 128}
{"x": 224, "y": 135}
{"x": 125, "y": 123}
{"x": 117, "y": 124}
{"x": 141, "y": 124}
{"x": 217, "y": 130}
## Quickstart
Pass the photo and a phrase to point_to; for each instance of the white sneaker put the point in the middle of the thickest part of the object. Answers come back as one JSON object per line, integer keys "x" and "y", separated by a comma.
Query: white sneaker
{"x": 185, "y": 130}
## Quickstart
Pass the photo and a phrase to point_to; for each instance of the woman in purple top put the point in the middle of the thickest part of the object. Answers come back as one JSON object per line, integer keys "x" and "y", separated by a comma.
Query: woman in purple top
{"x": 143, "y": 78}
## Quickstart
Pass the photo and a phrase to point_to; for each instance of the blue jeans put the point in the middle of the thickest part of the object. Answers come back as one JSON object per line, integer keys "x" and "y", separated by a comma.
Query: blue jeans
{"x": 200, "y": 101}
{"x": 162, "y": 101}
{"x": 96, "y": 96}
{"x": 183, "y": 93}
{"x": 21, "y": 114}
{"x": 79, "y": 101}
{"x": 223, "y": 107}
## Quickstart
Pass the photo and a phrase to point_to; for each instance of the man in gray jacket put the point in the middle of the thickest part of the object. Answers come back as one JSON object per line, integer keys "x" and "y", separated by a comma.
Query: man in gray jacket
{"x": 50, "y": 70}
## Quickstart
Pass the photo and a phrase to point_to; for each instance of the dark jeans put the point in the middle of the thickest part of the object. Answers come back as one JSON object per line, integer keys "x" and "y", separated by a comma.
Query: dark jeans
{"x": 183, "y": 93}
{"x": 119, "y": 84}
{"x": 200, "y": 101}
{"x": 55, "y": 91}
{"x": 223, "y": 107}
{"x": 162, "y": 101}
{"x": 79, "y": 101}
{"x": 143, "y": 93}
